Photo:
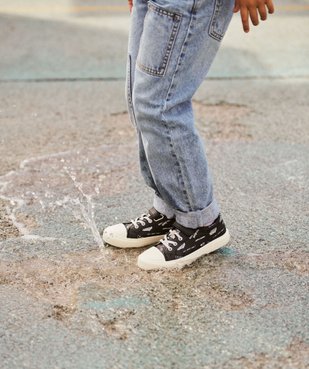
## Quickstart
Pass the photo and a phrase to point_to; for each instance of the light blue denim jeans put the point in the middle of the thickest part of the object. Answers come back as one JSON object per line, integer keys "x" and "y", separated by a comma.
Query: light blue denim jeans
{"x": 172, "y": 44}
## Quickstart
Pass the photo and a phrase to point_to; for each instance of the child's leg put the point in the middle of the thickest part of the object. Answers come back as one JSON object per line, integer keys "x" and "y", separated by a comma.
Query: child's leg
{"x": 150, "y": 227}
{"x": 174, "y": 47}
{"x": 136, "y": 28}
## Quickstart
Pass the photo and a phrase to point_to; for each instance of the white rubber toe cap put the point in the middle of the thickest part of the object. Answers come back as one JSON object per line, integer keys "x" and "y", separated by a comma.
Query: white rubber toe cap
{"x": 151, "y": 259}
{"x": 115, "y": 232}
{"x": 117, "y": 235}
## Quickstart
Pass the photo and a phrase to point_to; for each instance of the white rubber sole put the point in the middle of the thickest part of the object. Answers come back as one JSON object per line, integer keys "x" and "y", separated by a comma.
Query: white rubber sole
{"x": 158, "y": 261}
{"x": 128, "y": 243}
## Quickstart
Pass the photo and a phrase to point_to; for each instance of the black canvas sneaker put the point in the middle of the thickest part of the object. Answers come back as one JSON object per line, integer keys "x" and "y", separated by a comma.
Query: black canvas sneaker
{"x": 181, "y": 246}
{"x": 145, "y": 230}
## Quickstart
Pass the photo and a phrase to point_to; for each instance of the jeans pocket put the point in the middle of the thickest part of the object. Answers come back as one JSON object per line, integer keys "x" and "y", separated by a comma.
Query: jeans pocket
{"x": 221, "y": 16}
{"x": 158, "y": 38}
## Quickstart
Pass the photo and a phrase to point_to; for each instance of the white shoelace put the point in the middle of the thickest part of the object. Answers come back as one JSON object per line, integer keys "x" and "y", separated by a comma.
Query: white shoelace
{"x": 141, "y": 220}
{"x": 168, "y": 243}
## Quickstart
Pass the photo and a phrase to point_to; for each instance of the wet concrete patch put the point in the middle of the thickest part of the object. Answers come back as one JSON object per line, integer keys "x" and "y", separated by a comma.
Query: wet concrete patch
{"x": 102, "y": 281}
{"x": 101, "y": 298}
{"x": 220, "y": 304}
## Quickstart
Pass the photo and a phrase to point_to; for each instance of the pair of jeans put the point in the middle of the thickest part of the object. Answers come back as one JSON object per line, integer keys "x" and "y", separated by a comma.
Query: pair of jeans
{"x": 171, "y": 46}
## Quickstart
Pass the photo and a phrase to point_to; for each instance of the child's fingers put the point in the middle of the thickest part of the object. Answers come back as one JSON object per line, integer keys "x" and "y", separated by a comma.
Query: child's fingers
{"x": 254, "y": 9}
{"x": 236, "y": 6}
{"x": 270, "y": 6}
{"x": 262, "y": 11}
{"x": 244, "y": 13}
{"x": 254, "y": 16}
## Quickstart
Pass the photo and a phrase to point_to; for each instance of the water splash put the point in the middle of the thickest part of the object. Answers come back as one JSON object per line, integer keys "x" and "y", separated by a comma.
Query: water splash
{"x": 70, "y": 180}
{"x": 86, "y": 211}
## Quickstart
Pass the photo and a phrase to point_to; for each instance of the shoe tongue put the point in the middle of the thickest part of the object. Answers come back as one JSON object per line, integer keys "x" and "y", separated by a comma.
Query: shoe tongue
{"x": 185, "y": 230}
{"x": 128, "y": 226}
{"x": 153, "y": 212}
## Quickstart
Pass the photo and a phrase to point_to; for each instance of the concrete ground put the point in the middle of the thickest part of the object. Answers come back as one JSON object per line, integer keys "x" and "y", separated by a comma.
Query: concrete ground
{"x": 68, "y": 168}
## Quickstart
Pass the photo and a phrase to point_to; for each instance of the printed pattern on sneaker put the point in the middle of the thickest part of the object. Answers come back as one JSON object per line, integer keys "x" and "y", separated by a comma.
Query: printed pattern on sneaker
{"x": 181, "y": 241}
{"x": 147, "y": 225}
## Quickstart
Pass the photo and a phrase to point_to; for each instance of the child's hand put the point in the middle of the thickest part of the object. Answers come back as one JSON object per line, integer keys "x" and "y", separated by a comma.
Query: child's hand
{"x": 252, "y": 7}
{"x": 130, "y": 4}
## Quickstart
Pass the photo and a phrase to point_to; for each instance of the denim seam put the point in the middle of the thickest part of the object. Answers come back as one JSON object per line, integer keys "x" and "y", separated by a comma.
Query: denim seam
{"x": 182, "y": 52}
{"x": 176, "y": 161}
{"x": 161, "y": 11}
{"x": 129, "y": 90}
{"x": 181, "y": 176}
{"x": 151, "y": 182}
{"x": 212, "y": 33}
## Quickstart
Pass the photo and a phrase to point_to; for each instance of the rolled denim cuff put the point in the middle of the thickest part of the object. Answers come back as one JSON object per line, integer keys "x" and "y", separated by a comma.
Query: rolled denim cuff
{"x": 192, "y": 219}
{"x": 198, "y": 218}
